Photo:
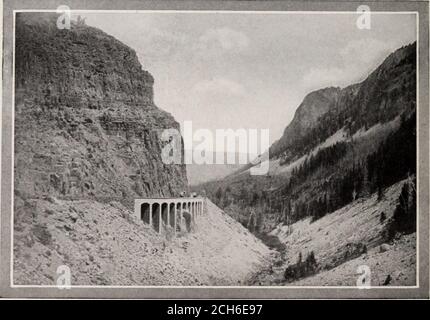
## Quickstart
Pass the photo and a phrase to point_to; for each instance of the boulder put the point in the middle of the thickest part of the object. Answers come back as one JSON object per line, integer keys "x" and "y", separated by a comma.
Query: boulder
{"x": 384, "y": 247}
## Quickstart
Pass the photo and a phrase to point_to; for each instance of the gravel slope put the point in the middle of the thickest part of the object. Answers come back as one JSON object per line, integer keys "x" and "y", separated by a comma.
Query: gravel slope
{"x": 334, "y": 239}
{"x": 397, "y": 263}
{"x": 103, "y": 244}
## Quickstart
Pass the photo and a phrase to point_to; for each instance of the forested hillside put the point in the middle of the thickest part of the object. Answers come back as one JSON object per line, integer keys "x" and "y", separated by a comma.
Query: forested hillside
{"x": 362, "y": 140}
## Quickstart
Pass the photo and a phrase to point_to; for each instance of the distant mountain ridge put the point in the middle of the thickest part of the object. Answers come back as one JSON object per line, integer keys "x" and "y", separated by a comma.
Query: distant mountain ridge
{"x": 341, "y": 144}
{"x": 363, "y": 104}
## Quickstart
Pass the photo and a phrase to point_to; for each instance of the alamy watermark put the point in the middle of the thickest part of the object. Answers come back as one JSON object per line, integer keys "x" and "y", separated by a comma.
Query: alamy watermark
{"x": 364, "y": 19}
{"x": 232, "y": 147}
{"x": 64, "y": 279}
{"x": 63, "y": 21}
{"x": 364, "y": 278}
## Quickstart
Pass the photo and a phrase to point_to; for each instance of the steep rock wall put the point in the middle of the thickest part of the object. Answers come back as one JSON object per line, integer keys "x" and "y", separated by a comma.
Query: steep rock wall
{"x": 86, "y": 126}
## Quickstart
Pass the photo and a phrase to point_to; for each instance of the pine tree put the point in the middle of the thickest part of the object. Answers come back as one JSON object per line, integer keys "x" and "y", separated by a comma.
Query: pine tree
{"x": 404, "y": 217}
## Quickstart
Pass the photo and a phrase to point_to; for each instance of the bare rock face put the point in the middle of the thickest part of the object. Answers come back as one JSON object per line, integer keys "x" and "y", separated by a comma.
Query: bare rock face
{"x": 314, "y": 105}
{"x": 86, "y": 126}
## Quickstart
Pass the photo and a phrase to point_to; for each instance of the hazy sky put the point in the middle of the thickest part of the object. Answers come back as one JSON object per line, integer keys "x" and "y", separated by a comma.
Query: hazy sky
{"x": 233, "y": 70}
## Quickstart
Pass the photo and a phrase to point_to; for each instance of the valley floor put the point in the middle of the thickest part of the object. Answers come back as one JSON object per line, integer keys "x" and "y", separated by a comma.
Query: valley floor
{"x": 342, "y": 241}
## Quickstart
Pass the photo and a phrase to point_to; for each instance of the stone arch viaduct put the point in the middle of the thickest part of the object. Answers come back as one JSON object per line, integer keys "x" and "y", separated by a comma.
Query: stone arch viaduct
{"x": 170, "y": 211}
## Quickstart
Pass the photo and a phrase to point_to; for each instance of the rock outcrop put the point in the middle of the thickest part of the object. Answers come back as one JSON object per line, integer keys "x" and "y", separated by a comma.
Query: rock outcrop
{"x": 86, "y": 126}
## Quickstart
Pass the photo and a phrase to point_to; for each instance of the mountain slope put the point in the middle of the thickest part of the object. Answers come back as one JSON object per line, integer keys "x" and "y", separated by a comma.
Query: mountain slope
{"x": 104, "y": 244}
{"x": 86, "y": 145}
{"x": 342, "y": 144}
{"x": 344, "y": 240}
{"x": 383, "y": 95}
{"x": 314, "y": 105}
{"x": 334, "y": 191}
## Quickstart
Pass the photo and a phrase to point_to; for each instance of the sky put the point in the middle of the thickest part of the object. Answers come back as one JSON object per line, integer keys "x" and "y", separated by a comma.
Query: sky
{"x": 251, "y": 71}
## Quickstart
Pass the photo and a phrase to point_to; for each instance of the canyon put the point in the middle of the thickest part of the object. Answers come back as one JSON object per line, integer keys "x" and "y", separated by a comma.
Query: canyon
{"x": 87, "y": 144}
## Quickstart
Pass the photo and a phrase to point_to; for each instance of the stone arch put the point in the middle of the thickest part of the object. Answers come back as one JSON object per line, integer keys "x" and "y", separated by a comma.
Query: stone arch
{"x": 172, "y": 214}
{"x": 156, "y": 216}
{"x": 164, "y": 213}
{"x": 178, "y": 216}
{"x": 193, "y": 204}
{"x": 145, "y": 212}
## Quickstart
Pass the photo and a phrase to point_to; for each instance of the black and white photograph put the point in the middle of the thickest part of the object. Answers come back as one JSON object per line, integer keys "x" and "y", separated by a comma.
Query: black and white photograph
{"x": 215, "y": 147}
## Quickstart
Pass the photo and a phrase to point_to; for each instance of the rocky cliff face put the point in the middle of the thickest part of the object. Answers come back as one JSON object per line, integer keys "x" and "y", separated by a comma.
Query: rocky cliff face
{"x": 314, "y": 105}
{"x": 86, "y": 126}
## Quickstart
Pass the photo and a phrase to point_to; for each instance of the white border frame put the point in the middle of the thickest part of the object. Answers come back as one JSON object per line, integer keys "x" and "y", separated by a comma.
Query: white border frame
{"x": 12, "y": 285}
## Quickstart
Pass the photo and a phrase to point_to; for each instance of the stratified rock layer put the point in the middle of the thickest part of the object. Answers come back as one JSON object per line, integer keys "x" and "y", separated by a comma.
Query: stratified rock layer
{"x": 86, "y": 126}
